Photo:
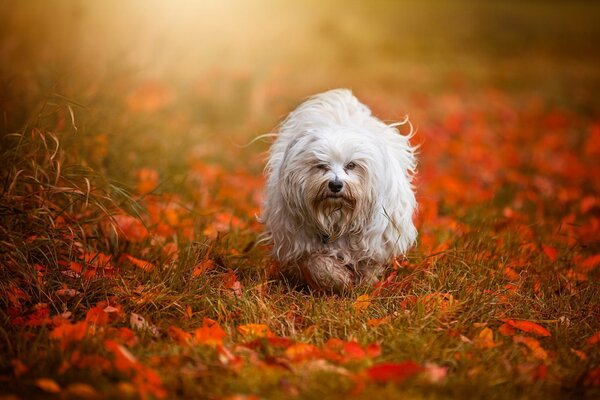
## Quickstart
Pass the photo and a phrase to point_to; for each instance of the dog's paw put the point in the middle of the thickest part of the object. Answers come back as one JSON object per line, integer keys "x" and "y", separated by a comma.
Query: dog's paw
{"x": 324, "y": 273}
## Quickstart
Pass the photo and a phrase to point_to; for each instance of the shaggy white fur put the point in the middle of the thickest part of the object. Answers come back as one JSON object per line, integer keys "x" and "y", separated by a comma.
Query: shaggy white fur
{"x": 339, "y": 201}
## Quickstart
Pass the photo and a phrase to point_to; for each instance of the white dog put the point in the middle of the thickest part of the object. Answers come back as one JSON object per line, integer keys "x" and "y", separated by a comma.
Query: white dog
{"x": 339, "y": 202}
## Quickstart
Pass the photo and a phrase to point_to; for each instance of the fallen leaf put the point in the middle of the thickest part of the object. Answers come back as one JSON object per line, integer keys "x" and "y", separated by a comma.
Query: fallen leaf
{"x": 378, "y": 321}
{"x": 527, "y": 326}
{"x": 593, "y": 340}
{"x": 67, "y": 333}
{"x": 202, "y": 267}
{"x": 179, "y": 335}
{"x": 132, "y": 228}
{"x": 485, "y": 339}
{"x": 582, "y": 356}
{"x": 534, "y": 345}
{"x": 255, "y": 330}
{"x": 550, "y": 252}
{"x": 81, "y": 391}
{"x": 302, "y": 351}
{"x": 362, "y": 303}
{"x": 48, "y": 385}
{"x": 210, "y": 333}
{"x": 143, "y": 265}
{"x": 507, "y": 330}
{"x": 393, "y": 372}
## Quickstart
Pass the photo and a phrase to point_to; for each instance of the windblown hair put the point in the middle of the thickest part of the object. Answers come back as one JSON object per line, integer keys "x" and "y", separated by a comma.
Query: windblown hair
{"x": 332, "y": 142}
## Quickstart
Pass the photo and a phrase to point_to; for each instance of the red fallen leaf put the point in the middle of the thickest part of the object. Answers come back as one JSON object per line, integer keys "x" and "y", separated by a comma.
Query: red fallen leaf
{"x": 393, "y": 372}
{"x": 527, "y": 326}
{"x": 144, "y": 265}
{"x": 67, "y": 333}
{"x": 210, "y": 333}
{"x": 132, "y": 228}
{"x": 179, "y": 335}
{"x": 280, "y": 342}
{"x": 373, "y": 350}
{"x": 550, "y": 252}
{"x": 97, "y": 316}
{"x": 255, "y": 330}
{"x": 590, "y": 263}
{"x": 593, "y": 340}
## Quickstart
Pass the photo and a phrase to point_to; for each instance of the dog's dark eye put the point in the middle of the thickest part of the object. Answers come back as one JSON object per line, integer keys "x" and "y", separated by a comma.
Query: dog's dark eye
{"x": 321, "y": 166}
{"x": 350, "y": 166}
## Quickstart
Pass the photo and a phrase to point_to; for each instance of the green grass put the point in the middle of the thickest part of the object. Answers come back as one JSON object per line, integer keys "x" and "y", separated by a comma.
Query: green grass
{"x": 507, "y": 114}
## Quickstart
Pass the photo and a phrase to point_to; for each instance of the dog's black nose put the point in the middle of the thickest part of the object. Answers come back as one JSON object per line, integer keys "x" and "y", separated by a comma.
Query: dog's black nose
{"x": 335, "y": 185}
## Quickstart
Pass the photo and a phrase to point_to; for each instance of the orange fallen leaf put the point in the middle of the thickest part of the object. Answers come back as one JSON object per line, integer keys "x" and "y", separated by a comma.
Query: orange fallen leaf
{"x": 67, "y": 333}
{"x": 378, "y": 321}
{"x": 485, "y": 339}
{"x": 210, "y": 333}
{"x": 362, "y": 303}
{"x": 202, "y": 267}
{"x": 147, "y": 180}
{"x": 48, "y": 385}
{"x": 81, "y": 391}
{"x": 527, "y": 326}
{"x": 302, "y": 352}
{"x": 143, "y": 265}
{"x": 179, "y": 335}
{"x": 255, "y": 330}
{"x": 393, "y": 372}
{"x": 132, "y": 228}
{"x": 533, "y": 344}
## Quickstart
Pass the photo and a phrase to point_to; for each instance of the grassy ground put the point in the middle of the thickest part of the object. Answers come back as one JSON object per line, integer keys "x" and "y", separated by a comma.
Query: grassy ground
{"x": 128, "y": 258}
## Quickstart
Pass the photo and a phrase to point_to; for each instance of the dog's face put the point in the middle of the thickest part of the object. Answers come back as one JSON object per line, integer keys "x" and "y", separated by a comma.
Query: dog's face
{"x": 333, "y": 170}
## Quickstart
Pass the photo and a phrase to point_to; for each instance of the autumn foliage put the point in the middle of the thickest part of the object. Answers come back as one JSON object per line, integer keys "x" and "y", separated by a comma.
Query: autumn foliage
{"x": 130, "y": 265}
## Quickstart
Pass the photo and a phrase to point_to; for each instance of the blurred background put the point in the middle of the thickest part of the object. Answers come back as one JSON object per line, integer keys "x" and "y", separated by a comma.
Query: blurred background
{"x": 146, "y": 81}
